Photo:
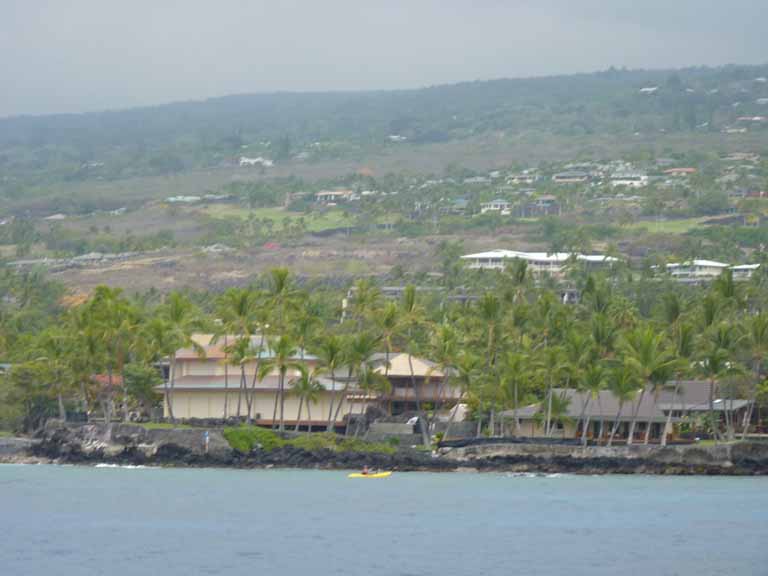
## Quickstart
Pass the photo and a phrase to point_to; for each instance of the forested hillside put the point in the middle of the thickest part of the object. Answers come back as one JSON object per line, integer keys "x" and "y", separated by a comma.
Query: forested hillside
{"x": 307, "y": 126}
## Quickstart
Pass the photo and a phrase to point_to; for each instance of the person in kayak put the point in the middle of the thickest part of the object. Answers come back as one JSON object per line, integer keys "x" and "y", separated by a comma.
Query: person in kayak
{"x": 365, "y": 471}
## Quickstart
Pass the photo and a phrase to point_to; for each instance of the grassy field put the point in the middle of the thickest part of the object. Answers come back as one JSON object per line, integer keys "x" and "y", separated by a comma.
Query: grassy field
{"x": 315, "y": 221}
{"x": 680, "y": 226}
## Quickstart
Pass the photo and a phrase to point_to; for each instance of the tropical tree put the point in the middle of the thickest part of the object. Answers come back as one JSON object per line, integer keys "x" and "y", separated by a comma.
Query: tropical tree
{"x": 182, "y": 319}
{"x": 282, "y": 359}
{"x": 649, "y": 354}
{"x": 331, "y": 356}
{"x": 623, "y": 382}
{"x": 307, "y": 388}
{"x": 756, "y": 341}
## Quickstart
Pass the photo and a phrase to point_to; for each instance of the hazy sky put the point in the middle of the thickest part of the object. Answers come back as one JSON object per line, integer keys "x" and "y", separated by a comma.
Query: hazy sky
{"x": 78, "y": 55}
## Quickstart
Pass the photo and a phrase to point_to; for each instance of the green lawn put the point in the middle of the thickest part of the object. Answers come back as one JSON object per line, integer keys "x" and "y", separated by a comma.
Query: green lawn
{"x": 680, "y": 226}
{"x": 315, "y": 221}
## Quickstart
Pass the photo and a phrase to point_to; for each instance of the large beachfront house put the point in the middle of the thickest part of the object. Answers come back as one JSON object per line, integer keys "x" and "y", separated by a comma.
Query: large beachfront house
{"x": 676, "y": 403}
{"x": 205, "y": 382}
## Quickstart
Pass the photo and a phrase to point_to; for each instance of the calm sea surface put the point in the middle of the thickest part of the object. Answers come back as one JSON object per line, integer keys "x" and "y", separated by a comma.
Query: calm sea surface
{"x": 114, "y": 521}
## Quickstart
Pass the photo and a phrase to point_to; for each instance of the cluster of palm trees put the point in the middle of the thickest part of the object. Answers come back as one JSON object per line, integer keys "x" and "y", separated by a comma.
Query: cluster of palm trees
{"x": 514, "y": 344}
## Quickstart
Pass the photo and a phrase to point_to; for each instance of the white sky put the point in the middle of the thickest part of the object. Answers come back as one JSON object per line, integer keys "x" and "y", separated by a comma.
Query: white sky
{"x": 79, "y": 55}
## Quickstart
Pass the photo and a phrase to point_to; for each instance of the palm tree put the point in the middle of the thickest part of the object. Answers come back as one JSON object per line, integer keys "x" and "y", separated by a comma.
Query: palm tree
{"x": 282, "y": 359}
{"x": 308, "y": 389}
{"x": 413, "y": 320}
{"x": 756, "y": 340}
{"x": 683, "y": 342}
{"x": 593, "y": 382}
{"x": 53, "y": 345}
{"x": 445, "y": 348}
{"x": 365, "y": 301}
{"x": 515, "y": 374}
{"x": 280, "y": 293}
{"x": 238, "y": 310}
{"x": 331, "y": 355}
{"x": 715, "y": 363}
{"x": 388, "y": 324}
{"x": 239, "y": 354}
{"x": 359, "y": 350}
{"x": 648, "y": 353}
{"x": 551, "y": 367}
{"x": 111, "y": 321}
{"x": 468, "y": 371}
{"x": 182, "y": 319}
{"x": 623, "y": 383}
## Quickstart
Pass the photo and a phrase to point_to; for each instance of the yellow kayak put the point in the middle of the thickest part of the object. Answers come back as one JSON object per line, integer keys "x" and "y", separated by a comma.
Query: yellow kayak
{"x": 371, "y": 475}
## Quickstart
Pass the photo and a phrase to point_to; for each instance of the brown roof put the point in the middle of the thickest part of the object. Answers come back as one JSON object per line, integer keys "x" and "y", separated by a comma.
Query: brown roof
{"x": 693, "y": 395}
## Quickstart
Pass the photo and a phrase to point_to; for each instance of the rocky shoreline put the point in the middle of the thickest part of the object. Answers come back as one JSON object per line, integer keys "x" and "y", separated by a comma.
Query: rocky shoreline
{"x": 136, "y": 446}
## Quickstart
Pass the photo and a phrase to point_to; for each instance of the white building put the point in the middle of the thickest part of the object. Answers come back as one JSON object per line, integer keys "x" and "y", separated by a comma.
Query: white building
{"x": 744, "y": 271}
{"x": 629, "y": 180}
{"x": 697, "y": 271}
{"x": 538, "y": 262}
{"x": 498, "y": 205}
{"x": 694, "y": 271}
{"x": 265, "y": 162}
{"x": 333, "y": 197}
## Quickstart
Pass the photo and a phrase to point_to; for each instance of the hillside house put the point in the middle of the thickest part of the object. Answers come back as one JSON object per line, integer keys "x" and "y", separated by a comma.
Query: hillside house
{"x": 545, "y": 205}
{"x": 333, "y": 197}
{"x": 629, "y": 180}
{"x": 571, "y": 177}
{"x": 499, "y": 205}
{"x": 744, "y": 272}
{"x": 696, "y": 271}
{"x": 538, "y": 262}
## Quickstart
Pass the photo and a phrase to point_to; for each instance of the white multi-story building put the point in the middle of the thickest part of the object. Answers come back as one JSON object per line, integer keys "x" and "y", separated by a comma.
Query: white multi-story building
{"x": 744, "y": 271}
{"x": 498, "y": 205}
{"x": 629, "y": 180}
{"x": 538, "y": 262}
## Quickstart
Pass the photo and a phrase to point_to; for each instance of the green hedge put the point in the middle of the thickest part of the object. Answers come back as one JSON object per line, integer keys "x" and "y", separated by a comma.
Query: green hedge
{"x": 246, "y": 438}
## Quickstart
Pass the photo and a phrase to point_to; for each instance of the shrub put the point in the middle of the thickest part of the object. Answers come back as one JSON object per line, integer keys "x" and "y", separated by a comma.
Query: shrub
{"x": 246, "y": 438}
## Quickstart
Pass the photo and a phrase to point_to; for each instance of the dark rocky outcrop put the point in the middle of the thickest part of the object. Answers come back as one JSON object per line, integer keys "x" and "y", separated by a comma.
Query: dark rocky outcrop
{"x": 135, "y": 445}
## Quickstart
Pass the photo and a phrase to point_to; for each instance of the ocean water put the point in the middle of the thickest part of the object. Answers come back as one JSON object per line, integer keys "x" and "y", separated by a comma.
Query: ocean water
{"x": 142, "y": 521}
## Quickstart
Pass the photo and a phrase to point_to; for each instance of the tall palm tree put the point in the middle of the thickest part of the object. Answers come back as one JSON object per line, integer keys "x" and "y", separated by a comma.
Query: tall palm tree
{"x": 239, "y": 354}
{"x": 412, "y": 321}
{"x": 283, "y": 358}
{"x": 365, "y": 301}
{"x": 551, "y": 366}
{"x": 717, "y": 361}
{"x": 110, "y": 317}
{"x": 515, "y": 374}
{"x": 359, "y": 352}
{"x": 648, "y": 353}
{"x": 331, "y": 355}
{"x": 468, "y": 370}
{"x": 238, "y": 310}
{"x": 281, "y": 293}
{"x": 593, "y": 382}
{"x": 756, "y": 341}
{"x": 308, "y": 389}
{"x": 623, "y": 383}
{"x": 183, "y": 319}
{"x": 388, "y": 323}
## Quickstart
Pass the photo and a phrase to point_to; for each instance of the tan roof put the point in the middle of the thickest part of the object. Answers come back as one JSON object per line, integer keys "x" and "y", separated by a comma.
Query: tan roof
{"x": 399, "y": 366}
